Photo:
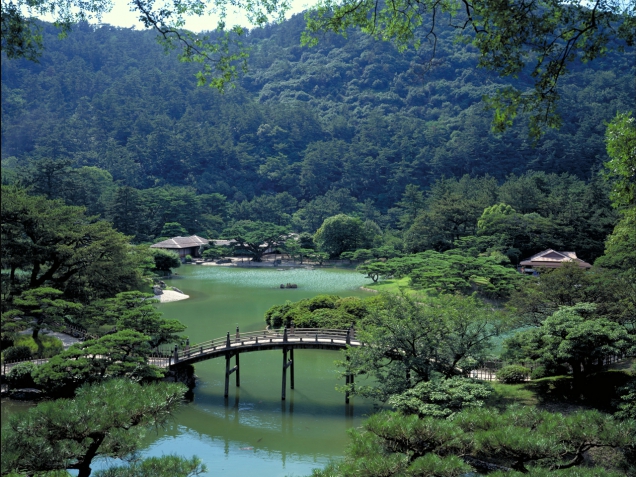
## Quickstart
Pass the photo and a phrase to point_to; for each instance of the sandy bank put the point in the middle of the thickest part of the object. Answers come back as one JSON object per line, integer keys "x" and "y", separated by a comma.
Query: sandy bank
{"x": 170, "y": 295}
{"x": 369, "y": 290}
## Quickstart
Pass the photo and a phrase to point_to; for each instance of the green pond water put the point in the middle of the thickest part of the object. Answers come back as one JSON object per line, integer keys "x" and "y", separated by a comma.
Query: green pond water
{"x": 253, "y": 432}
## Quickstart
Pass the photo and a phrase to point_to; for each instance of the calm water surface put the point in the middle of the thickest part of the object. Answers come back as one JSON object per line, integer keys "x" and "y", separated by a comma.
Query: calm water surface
{"x": 254, "y": 432}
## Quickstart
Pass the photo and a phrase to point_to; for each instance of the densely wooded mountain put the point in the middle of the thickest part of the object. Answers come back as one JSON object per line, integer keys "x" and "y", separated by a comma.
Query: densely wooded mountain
{"x": 351, "y": 113}
{"x": 108, "y": 121}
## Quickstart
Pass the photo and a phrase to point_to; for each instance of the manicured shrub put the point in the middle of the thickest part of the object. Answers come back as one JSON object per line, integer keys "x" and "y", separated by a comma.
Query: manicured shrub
{"x": 21, "y": 376}
{"x": 17, "y": 353}
{"x": 513, "y": 374}
{"x": 188, "y": 258}
{"x": 539, "y": 372}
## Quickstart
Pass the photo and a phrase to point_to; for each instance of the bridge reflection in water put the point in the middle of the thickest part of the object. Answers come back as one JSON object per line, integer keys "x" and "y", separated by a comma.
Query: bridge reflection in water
{"x": 231, "y": 347}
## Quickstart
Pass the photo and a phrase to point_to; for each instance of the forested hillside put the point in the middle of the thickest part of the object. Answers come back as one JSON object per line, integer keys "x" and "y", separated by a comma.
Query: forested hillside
{"x": 306, "y": 133}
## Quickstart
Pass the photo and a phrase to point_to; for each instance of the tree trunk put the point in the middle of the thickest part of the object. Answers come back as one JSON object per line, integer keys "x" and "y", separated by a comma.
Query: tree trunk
{"x": 84, "y": 467}
{"x": 577, "y": 374}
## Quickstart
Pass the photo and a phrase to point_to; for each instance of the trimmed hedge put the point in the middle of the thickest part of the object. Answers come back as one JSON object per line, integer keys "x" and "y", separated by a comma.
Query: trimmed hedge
{"x": 17, "y": 353}
{"x": 513, "y": 374}
{"x": 21, "y": 376}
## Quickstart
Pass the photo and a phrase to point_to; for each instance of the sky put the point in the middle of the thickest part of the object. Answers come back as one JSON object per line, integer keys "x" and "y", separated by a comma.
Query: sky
{"x": 121, "y": 16}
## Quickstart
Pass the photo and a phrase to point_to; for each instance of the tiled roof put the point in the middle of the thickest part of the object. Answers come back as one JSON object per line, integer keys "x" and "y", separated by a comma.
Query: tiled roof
{"x": 181, "y": 242}
{"x": 551, "y": 259}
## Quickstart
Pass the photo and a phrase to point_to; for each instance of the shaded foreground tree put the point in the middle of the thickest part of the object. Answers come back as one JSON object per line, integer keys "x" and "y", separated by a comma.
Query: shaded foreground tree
{"x": 441, "y": 398}
{"x": 59, "y": 246}
{"x": 620, "y": 170}
{"x": 164, "y": 466}
{"x": 519, "y": 441}
{"x": 41, "y": 307}
{"x": 121, "y": 354}
{"x": 572, "y": 336}
{"x": 107, "y": 420}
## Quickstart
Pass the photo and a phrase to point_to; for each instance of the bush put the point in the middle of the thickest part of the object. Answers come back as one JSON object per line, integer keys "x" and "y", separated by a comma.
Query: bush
{"x": 549, "y": 369}
{"x": 188, "y": 258}
{"x": 165, "y": 260}
{"x": 275, "y": 316}
{"x": 320, "y": 301}
{"x": 21, "y": 376}
{"x": 45, "y": 347}
{"x": 539, "y": 372}
{"x": 353, "y": 306}
{"x": 215, "y": 253}
{"x": 513, "y": 374}
{"x": 17, "y": 353}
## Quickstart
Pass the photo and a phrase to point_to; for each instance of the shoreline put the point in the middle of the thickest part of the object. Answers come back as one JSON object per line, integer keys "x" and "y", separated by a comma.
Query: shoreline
{"x": 369, "y": 290}
{"x": 169, "y": 296}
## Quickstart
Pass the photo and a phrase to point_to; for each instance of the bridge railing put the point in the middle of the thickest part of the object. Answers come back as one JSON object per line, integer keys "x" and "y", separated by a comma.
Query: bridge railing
{"x": 293, "y": 335}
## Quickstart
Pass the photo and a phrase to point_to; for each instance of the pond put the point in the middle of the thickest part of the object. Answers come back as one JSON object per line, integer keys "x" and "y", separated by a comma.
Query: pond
{"x": 253, "y": 432}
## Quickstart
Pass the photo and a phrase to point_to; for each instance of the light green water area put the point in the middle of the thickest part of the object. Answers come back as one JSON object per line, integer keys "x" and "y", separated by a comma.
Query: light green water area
{"x": 253, "y": 432}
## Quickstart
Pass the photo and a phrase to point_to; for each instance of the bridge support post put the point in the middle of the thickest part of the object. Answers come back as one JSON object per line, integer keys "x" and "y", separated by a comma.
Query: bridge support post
{"x": 348, "y": 379}
{"x": 291, "y": 368}
{"x": 227, "y": 375}
{"x": 282, "y": 396}
{"x": 176, "y": 354}
{"x": 238, "y": 375}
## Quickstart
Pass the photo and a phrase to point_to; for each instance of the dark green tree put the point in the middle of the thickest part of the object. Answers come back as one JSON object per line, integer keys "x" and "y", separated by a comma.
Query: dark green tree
{"x": 121, "y": 354}
{"x": 59, "y": 246}
{"x": 569, "y": 337}
{"x": 106, "y": 420}
{"x": 164, "y": 466}
{"x": 340, "y": 233}
{"x": 408, "y": 342}
{"x": 374, "y": 270}
{"x": 165, "y": 260}
{"x": 516, "y": 442}
{"x": 441, "y": 398}
{"x": 255, "y": 237}
{"x": 173, "y": 229}
{"x": 43, "y": 307}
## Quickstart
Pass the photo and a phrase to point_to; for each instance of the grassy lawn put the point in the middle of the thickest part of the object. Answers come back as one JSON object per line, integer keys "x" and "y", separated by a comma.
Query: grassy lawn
{"x": 392, "y": 286}
{"x": 507, "y": 394}
{"x": 560, "y": 393}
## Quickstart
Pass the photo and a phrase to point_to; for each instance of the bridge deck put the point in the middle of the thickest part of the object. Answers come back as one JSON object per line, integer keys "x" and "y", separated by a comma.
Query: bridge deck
{"x": 232, "y": 347}
{"x": 304, "y": 338}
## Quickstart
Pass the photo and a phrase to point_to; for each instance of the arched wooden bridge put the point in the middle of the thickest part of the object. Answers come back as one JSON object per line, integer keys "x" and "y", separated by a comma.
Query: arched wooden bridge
{"x": 232, "y": 346}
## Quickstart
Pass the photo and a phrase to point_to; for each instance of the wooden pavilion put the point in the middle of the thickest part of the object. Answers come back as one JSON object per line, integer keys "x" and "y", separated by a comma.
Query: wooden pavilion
{"x": 551, "y": 259}
{"x": 183, "y": 245}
